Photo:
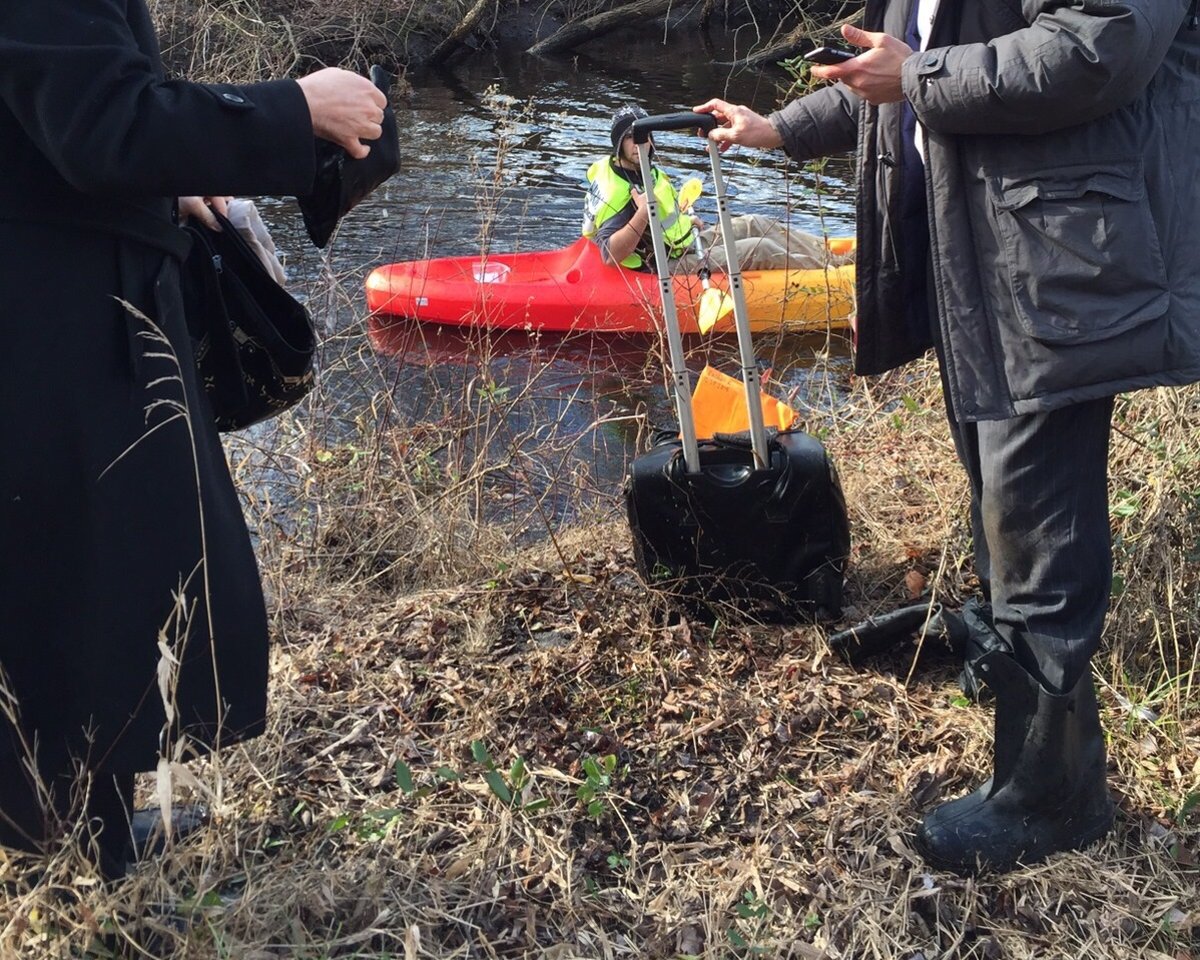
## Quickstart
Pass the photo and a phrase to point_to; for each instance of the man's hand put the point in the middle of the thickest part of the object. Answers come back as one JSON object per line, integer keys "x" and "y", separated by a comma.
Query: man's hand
{"x": 345, "y": 108}
{"x": 640, "y": 203}
{"x": 874, "y": 74}
{"x": 739, "y": 124}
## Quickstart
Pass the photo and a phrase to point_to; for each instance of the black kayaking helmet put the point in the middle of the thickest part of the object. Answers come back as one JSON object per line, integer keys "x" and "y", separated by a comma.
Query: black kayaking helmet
{"x": 622, "y": 122}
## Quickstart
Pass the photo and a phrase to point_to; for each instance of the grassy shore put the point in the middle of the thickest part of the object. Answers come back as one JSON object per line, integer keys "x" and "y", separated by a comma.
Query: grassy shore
{"x": 484, "y": 749}
{"x": 235, "y": 39}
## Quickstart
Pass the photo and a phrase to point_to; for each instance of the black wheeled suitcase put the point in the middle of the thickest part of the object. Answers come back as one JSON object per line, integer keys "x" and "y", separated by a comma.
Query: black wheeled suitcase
{"x": 753, "y": 524}
{"x": 770, "y": 544}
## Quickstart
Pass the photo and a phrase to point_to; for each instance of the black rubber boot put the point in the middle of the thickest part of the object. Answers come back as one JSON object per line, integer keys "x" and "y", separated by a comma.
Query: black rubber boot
{"x": 147, "y": 838}
{"x": 1047, "y": 792}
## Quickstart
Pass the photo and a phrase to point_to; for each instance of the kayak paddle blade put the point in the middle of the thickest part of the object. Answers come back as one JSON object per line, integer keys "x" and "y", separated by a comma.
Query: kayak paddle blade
{"x": 714, "y": 304}
{"x": 689, "y": 193}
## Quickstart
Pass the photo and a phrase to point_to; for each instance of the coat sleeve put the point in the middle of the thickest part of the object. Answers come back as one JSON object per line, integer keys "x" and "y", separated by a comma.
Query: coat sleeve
{"x": 73, "y": 76}
{"x": 1076, "y": 60}
{"x": 820, "y": 124}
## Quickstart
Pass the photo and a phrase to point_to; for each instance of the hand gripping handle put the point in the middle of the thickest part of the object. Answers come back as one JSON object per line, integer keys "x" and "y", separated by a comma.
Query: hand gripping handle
{"x": 671, "y": 121}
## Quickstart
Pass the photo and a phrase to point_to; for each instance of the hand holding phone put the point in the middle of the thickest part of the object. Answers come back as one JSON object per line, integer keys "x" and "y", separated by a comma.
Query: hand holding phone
{"x": 828, "y": 56}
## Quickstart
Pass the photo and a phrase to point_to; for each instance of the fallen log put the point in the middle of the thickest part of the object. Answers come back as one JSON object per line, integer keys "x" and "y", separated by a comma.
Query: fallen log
{"x": 460, "y": 33}
{"x": 794, "y": 42}
{"x": 573, "y": 34}
{"x": 788, "y": 46}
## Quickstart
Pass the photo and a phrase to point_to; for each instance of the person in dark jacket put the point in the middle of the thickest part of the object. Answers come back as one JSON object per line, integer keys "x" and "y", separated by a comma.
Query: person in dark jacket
{"x": 124, "y": 543}
{"x": 1029, "y": 175}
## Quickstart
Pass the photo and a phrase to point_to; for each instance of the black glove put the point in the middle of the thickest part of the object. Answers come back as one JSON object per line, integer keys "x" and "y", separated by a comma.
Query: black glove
{"x": 969, "y": 632}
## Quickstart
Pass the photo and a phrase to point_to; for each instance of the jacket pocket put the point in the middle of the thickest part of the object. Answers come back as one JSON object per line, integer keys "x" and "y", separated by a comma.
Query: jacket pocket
{"x": 1083, "y": 257}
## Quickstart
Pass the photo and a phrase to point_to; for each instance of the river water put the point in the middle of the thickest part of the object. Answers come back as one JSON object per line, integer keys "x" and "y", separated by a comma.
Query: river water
{"x": 494, "y": 154}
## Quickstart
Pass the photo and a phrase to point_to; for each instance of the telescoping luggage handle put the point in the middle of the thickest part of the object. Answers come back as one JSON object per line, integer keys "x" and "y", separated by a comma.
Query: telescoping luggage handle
{"x": 679, "y": 374}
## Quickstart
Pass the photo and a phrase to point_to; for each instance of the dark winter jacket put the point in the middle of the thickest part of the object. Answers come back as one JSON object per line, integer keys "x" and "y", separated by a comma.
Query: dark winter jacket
{"x": 122, "y": 541}
{"x": 1063, "y": 187}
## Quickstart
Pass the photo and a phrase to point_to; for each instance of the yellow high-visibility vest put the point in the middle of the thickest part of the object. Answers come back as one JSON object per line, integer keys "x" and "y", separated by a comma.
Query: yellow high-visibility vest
{"x": 609, "y": 193}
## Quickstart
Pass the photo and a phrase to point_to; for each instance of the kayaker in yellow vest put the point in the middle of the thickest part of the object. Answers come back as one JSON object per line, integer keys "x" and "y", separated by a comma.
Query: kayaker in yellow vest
{"x": 616, "y": 217}
{"x": 615, "y": 211}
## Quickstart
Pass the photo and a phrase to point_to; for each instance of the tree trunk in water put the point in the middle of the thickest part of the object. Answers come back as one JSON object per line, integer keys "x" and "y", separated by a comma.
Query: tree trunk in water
{"x": 444, "y": 49}
{"x": 573, "y": 34}
{"x": 797, "y": 40}
{"x": 789, "y": 45}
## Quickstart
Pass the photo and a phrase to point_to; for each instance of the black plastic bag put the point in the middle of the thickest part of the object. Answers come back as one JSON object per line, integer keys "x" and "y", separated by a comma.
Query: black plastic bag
{"x": 342, "y": 183}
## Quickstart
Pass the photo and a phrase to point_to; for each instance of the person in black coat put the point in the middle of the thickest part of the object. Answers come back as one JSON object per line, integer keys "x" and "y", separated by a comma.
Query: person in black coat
{"x": 122, "y": 542}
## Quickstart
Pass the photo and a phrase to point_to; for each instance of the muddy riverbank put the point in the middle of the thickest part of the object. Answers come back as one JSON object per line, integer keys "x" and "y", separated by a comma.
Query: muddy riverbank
{"x": 258, "y": 37}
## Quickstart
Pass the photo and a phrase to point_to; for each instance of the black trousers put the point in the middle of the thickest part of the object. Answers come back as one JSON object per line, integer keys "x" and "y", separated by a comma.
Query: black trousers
{"x": 1039, "y": 518}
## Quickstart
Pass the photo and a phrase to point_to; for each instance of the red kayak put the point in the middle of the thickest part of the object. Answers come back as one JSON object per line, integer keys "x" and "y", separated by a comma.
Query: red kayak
{"x": 573, "y": 289}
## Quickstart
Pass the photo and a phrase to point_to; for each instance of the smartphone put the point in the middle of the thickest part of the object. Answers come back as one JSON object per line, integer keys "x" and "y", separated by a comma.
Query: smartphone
{"x": 828, "y": 56}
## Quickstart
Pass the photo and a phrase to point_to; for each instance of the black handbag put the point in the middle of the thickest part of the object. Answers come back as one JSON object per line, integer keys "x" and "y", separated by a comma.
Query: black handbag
{"x": 253, "y": 342}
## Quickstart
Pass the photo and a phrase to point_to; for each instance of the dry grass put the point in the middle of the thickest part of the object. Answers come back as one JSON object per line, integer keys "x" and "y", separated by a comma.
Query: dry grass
{"x": 441, "y": 695}
{"x": 240, "y": 39}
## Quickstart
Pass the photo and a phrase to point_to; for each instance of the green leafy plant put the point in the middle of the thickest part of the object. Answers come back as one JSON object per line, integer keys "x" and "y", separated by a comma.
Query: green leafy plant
{"x": 1190, "y": 804}
{"x": 1125, "y": 504}
{"x": 741, "y": 943}
{"x": 751, "y": 907}
{"x": 374, "y": 824}
{"x": 494, "y": 582}
{"x": 661, "y": 572}
{"x": 510, "y": 790}
{"x": 406, "y": 781}
{"x": 598, "y": 778}
{"x": 752, "y": 913}
{"x": 404, "y": 777}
